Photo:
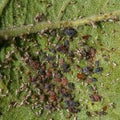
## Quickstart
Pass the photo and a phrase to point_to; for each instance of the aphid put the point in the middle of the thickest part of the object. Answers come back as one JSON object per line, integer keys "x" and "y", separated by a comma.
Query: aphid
{"x": 92, "y": 88}
{"x": 52, "y": 98}
{"x": 58, "y": 74}
{"x": 104, "y": 108}
{"x": 88, "y": 114}
{"x": 98, "y": 69}
{"x": 62, "y": 48}
{"x": 70, "y": 32}
{"x": 65, "y": 67}
{"x": 85, "y": 37}
{"x": 42, "y": 98}
{"x": 66, "y": 43}
{"x": 92, "y": 52}
{"x": 100, "y": 113}
{"x": 64, "y": 81}
{"x": 84, "y": 54}
{"x": 48, "y": 74}
{"x": 80, "y": 75}
{"x": 52, "y": 50}
{"x": 93, "y": 79}
{"x": 71, "y": 85}
{"x": 87, "y": 70}
{"x": 74, "y": 110}
{"x": 96, "y": 64}
{"x": 42, "y": 71}
{"x": 95, "y": 98}
{"x": 70, "y": 54}
{"x": 50, "y": 57}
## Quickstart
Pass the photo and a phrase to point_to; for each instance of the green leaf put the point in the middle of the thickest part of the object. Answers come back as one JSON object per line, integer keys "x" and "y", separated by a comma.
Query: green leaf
{"x": 105, "y": 38}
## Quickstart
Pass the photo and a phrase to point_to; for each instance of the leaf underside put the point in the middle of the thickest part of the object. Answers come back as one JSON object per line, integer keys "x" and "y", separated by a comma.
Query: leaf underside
{"x": 105, "y": 38}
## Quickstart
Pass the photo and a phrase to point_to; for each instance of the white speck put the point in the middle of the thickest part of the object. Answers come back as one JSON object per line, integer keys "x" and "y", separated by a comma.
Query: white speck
{"x": 0, "y": 90}
{"x": 114, "y": 64}
{"x": 111, "y": 105}
{"x": 7, "y": 92}
{"x": 3, "y": 95}
{"x": 75, "y": 118}
{"x": 85, "y": 84}
{"x": 110, "y": 20}
{"x": 101, "y": 85}
{"x": 117, "y": 79}
{"x": 18, "y": 5}
{"x": 113, "y": 81}
{"x": 80, "y": 100}
{"x": 6, "y": 37}
{"x": 107, "y": 74}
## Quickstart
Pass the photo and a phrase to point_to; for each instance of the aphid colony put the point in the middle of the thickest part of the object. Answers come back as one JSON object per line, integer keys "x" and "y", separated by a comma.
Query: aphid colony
{"x": 49, "y": 88}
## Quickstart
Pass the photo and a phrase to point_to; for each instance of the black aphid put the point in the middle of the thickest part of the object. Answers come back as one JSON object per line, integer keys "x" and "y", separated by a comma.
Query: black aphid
{"x": 49, "y": 86}
{"x": 93, "y": 79}
{"x": 98, "y": 69}
{"x": 66, "y": 43}
{"x": 42, "y": 71}
{"x": 70, "y": 54}
{"x": 70, "y": 32}
{"x": 48, "y": 107}
{"x": 96, "y": 64}
{"x": 85, "y": 54}
{"x": 62, "y": 48}
{"x": 55, "y": 65}
{"x": 88, "y": 114}
{"x": 71, "y": 103}
{"x": 86, "y": 70}
{"x": 65, "y": 67}
{"x": 71, "y": 85}
{"x": 74, "y": 110}
{"x": 52, "y": 50}
{"x": 58, "y": 74}
{"x": 91, "y": 88}
{"x": 50, "y": 57}
{"x": 66, "y": 95}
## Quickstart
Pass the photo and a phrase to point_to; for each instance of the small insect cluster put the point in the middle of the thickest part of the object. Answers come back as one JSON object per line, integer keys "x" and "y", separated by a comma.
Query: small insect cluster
{"x": 49, "y": 88}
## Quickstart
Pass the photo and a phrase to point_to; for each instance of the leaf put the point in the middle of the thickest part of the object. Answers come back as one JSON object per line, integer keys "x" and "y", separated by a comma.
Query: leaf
{"x": 105, "y": 38}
